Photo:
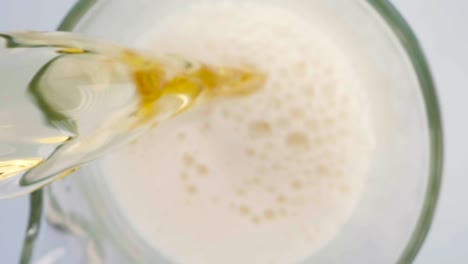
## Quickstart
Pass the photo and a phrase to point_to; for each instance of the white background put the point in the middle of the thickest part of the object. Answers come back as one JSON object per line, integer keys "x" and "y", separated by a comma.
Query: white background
{"x": 442, "y": 27}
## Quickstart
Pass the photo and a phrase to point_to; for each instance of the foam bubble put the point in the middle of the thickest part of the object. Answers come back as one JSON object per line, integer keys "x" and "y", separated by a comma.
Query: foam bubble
{"x": 184, "y": 176}
{"x": 181, "y": 136}
{"x": 256, "y": 220}
{"x": 188, "y": 160}
{"x": 226, "y": 114}
{"x": 271, "y": 189}
{"x": 249, "y": 151}
{"x": 297, "y": 140}
{"x": 281, "y": 199}
{"x": 240, "y": 192}
{"x": 244, "y": 210}
{"x": 260, "y": 128}
{"x": 269, "y": 214}
{"x": 202, "y": 170}
{"x": 191, "y": 189}
{"x": 283, "y": 122}
{"x": 297, "y": 113}
{"x": 297, "y": 185}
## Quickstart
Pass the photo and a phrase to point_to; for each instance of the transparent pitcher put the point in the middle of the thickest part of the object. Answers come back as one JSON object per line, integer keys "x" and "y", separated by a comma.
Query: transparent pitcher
{"x": 75, "y": 221}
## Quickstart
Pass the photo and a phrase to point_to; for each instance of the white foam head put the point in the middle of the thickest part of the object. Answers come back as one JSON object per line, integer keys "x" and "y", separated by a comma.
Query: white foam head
{"x": 269, "y": 178}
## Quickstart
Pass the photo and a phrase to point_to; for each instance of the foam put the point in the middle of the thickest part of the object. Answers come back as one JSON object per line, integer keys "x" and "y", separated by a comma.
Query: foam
{"x": 270, "y": 178}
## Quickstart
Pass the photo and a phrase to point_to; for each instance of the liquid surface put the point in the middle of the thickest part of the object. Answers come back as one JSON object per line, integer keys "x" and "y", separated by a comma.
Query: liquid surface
{"x": 266, "y": 179}
{"x": 84, "y": 97}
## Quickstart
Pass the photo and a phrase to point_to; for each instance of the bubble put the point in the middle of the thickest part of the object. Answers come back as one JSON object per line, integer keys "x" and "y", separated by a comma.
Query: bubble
{"x": 300, "y": 69}
{"x": 312, "y": 125}
{"x": 256, "y": 181}
{"x": 244, "y": 210}
{"x": 277, "y": 86}
{"x": 281, "y": 199}
{"x": 259, "y": 129}
{"x": 310, "y": 92}
{"x": 275, "y": 103}
{"x": 290, "y": 98}
{"x": 269, "y": 214}
{"x": 318, "y": 142}
{"x": 328, "y": 71}
{"x": 317, "y": 229}
{"x": 284, "y": 72}
{"x": 249, "y": 151}
{"x": 283, "y": 122}
{"x": 188, "y": 159}
{"x": 269, "y": 146}
{"x": 329, "y": 122}
{"x": 344, "y": 133}
{"x": 184, "y": 176}
{"x": 300, "y": 201}
{"x": 276, "y": 166}
{"x": 239, "y": 118}
{"x": 283, "y": 212}
{"x": 333, "y": 139}
{"x": 329, "y": 90}
{"x": 271, "y": 189}
{"x": 308, "y": 238}
{"x": 181, "y": 136}
{"x": 226, "y": 114}
{"x": 262, "y": 170}
{"x": 206, "y": 127}
{"x": 322, "y": 170}
{"x": 263, "y": 155}
{"x": 297, "y": 185}
{"x": 202, "y": 170}
{"x": 240, "y": 192}
{"x": 297, "y": 113}
{"x": 191, "y": 189}
{"x": 255, "y": 220}
{"x": 297, "y": 140}
{"x": 344, "y": 100}
{"x": 345, "y": 189}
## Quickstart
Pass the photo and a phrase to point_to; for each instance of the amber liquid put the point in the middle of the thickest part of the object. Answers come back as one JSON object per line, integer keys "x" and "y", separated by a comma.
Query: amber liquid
{"x": 85, "y": 97}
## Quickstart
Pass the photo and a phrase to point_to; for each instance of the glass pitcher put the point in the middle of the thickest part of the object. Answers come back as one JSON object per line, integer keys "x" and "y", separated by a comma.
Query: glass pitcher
{"x": 75, "y": 221}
